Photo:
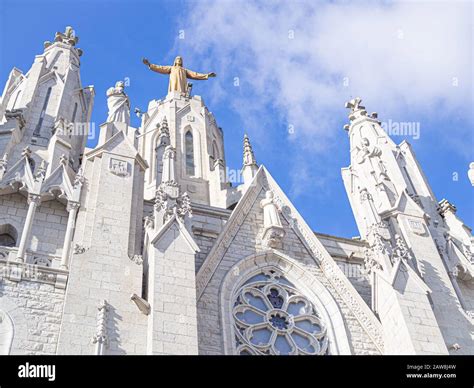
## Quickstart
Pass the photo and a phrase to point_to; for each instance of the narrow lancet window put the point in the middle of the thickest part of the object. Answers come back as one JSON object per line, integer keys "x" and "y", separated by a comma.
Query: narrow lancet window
{"x": 74, "y": 113}
{"x": 189, "y": 151}
{"x": 43, "y": 112}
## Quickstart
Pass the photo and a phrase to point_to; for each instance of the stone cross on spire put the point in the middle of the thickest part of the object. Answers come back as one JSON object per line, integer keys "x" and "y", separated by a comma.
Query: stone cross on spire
{"x": 357, "y": 109}
{"x": 355, "y": 104}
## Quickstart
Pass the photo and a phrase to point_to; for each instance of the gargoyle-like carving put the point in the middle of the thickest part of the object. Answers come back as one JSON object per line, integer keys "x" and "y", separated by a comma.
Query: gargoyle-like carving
{"x": 137, "y": 259}
{"x": 141, "y": 303}
{"x": 16, "y": 114}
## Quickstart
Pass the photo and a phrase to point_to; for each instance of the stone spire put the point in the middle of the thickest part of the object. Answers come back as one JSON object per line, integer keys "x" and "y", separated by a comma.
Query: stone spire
{"x": 47, "y": 108}
{"x": 169, "y": 200}
{"x": 396, "y": 213}
{"x": 164, "y": 129}
{"x": 250, "y": 166}
{"x": 249, "y": 157}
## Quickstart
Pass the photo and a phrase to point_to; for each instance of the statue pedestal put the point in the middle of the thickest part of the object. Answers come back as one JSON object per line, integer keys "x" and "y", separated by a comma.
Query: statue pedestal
{"x": 273, "y": 237}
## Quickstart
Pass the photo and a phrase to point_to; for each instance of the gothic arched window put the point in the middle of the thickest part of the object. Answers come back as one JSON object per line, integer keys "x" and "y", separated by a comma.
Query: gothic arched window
{"x": 272, "y": 317}
{"x": 8, "y": 235}
{"x": 189, "y": 152}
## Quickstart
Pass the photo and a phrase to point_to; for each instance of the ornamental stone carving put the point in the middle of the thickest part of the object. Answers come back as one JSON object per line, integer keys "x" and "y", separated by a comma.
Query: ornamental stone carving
{"x": 271, "y": 317}
{"x": 119, "y": 167}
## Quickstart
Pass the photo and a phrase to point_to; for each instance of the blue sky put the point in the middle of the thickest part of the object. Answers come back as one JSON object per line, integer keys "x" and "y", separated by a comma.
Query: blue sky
{"x": 285, "y": 71}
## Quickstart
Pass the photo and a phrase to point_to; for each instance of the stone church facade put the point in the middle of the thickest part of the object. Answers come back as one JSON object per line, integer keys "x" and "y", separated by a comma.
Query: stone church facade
{"x": 142, "y": 246}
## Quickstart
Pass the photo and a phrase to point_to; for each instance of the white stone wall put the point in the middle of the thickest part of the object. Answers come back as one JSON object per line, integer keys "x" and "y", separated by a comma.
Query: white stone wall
{"x": 245, "y": 244}
{"x": 172, "y": 324}
{"x": 467, "y": 289}
{"x": 207, "y": 223}
{"x": 349, "y": 256}
{"x": 36, "y": 310}
{"x": 49, "y": 225}
{"x": 106, "y": 223}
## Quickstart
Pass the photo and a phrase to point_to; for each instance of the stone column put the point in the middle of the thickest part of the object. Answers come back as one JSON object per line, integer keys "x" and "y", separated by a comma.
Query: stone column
{"x": 33, "y": 202}
{"x": 72, "y": 208}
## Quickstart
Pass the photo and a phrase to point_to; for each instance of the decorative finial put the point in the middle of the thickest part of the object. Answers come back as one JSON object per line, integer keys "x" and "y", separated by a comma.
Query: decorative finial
{"x": 249, "y": 157}
{"x": 26, "y": 152}
{"x": 164, "y": 130}
{"x": 4, "y": 162}
{"x": 445, "y": 206}
{"x": 355, "y": 104}
{"x": 79, "y": 179}
{"x": 63, "y": 160}
{"x": 138, "y": 112}
{"x": 68, "y": 37}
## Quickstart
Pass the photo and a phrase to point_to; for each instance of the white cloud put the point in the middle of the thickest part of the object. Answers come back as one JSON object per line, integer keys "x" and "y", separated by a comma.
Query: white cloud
{"x": 401, "y": 58}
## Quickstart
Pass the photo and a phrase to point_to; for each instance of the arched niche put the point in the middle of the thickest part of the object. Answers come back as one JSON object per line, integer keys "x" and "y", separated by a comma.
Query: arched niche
{"x": 8, "y": 235}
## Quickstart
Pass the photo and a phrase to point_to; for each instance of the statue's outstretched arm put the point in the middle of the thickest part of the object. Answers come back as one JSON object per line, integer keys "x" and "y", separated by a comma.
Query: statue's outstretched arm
{"x": 195, "y": 75}
{"x": 160, "y": 69}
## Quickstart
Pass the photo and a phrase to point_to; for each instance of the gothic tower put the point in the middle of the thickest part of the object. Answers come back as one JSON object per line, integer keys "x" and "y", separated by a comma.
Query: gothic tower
{"x": 47, "y": 109}
{"x": 416, "y": 279}
{"x": 184, "y": 122}
{"x": 44, "y": 122}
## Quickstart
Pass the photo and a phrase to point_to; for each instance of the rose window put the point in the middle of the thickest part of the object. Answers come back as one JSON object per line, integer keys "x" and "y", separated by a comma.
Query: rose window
{"x": 272, "y": 317}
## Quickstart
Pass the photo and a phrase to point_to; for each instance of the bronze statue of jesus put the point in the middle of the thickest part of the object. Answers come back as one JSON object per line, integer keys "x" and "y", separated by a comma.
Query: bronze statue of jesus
{"x": 178, "y": 74}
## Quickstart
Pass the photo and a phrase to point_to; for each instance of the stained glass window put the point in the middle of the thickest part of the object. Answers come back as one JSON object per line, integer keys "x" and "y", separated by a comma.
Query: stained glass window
{"x": 272, "y": 317}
